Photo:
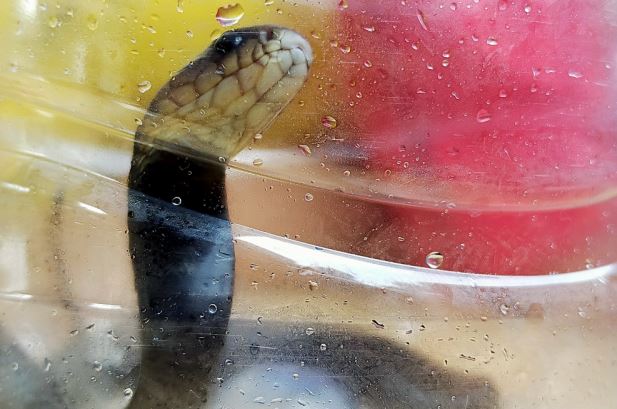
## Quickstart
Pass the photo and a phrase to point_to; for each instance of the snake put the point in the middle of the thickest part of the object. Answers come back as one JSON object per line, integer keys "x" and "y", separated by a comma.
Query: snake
{"x": 181, "y": 238}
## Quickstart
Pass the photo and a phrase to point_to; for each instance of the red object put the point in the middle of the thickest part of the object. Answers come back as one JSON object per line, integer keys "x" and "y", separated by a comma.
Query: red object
{"x": 492, "y": 105}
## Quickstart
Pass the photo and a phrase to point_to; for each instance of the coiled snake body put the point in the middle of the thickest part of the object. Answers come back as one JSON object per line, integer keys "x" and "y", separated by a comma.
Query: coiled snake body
{"x": 181, "y": 241}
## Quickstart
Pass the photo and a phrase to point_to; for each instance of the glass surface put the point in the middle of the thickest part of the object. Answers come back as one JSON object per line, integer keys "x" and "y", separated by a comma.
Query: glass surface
{"x": 429, "y": 223}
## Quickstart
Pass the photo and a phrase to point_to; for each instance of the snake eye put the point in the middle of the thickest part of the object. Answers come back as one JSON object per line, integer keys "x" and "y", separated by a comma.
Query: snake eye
{"x": 229, "y": 42}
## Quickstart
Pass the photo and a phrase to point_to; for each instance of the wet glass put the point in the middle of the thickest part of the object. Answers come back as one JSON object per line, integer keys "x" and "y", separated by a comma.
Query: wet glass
{"x": 430, "y": 222}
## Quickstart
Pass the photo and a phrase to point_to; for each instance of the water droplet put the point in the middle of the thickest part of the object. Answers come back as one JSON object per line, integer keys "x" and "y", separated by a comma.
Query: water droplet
{"x": 504, "y": 309}
{"x": 259, "y": 399}
{"x": 503, "y": 93}
{"x": 180, "y": 6}
{"x": 370, "y": 29}
{"x": 222, "y": 159}
{"x": 491, "y": 41}
{"x": 575, "y": 74}
{"x": 229, "y": 15}
{"x": 53, "y": 22}
{"x": 212, "y": 308}
{"x": 421, "y": 19}
{"x": 328, "y": 122}
{"x": 308, "y": 197}
{"x": 305, "y": 149}
{"x": 483, "y": 116}
{"x": 342, "y": 4}
{"x": 313, "y": 285}
{"x": 189, "y": 33}
{"x": 215, "y": 34}
{"x": 295, "y": 376}
{"x": 46, "y": 365}
{"x": 128, "y": 392}
{"x": 268, "y": 2}
{"x": 97, "y": 366}
{"x": 445, "y": 63}
{"x": 502, "y": 5}
{"x": 74, "y": 332}
{"x": 144, "y": 86}
{"x": 323, "y": 347}
{"x": 434, "y": 259}
{"x": 258, "y": 162}
{"x": 92, "y": 22}
{"x": 345, "y": 49}
{"x": 346, "y": 173}
{"x": 176, "y": 201}
{"x": 527, "y": 9}
{"x": 229, "y": 362}
{"x": 14, "y": 366}
{"x": 302, "y": 402}
{"x": 310, "y": 331}
{"x": 453, "y": 6}
{"x": 138, "y": 121}
{"x": 368, "y": 64}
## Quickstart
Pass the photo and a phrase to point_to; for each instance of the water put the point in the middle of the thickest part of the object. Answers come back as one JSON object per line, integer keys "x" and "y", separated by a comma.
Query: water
{"x": 320, "y": 316}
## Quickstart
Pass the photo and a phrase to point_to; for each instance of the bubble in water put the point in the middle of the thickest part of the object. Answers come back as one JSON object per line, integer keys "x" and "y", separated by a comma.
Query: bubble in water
{"x": 483, "y": 116}
{"x": 53, "y": 22}
{"x": 310, "y": 331}
{"x": 229, "y": 15}
{"x": 97, "y": 366}
{"x": 434, "y": 259}
{"x": 491, "y": 41}
{"x": 258, "y": 162}
{"x": 308, "y": 197}
{"x": 144, "y": 86}
{"x": 128, "y": 392}
{"x": 323, "y": 347}
{"x": 329, "y": 122}
{"x": 92, "y": 22}
{"x": 176, "y": 201}
{"x": 212, "y": 308}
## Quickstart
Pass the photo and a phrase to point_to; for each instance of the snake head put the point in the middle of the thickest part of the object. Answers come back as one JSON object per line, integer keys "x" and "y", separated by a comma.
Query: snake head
{"x": 216, "y": 104}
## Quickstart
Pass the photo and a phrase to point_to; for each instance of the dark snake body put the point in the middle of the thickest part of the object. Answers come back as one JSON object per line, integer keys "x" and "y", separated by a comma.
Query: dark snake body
{"x": 183, "y": 259}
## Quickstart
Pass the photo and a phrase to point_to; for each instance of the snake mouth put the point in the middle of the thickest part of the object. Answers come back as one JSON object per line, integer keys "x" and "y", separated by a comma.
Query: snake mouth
{"x": 220, "y": 101}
